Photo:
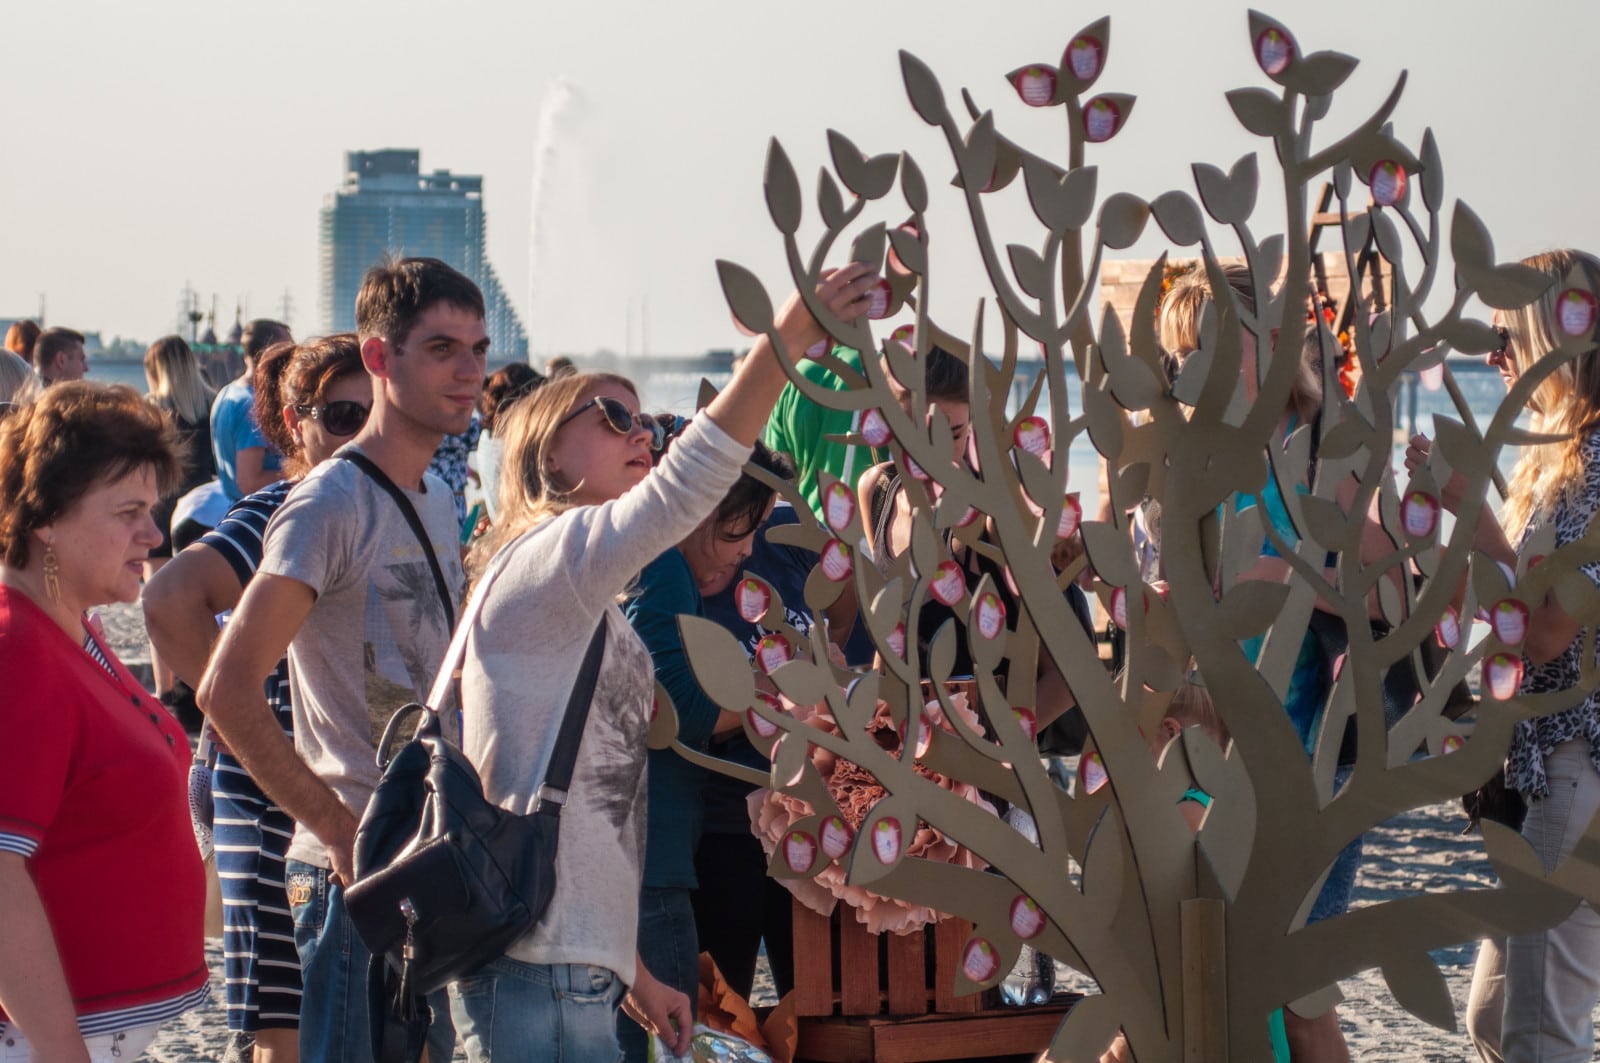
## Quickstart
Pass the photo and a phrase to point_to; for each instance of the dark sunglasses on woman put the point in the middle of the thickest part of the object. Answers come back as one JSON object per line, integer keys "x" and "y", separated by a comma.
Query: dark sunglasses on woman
{"x": 622, "y": 420}
{"x": 342, "y": 418}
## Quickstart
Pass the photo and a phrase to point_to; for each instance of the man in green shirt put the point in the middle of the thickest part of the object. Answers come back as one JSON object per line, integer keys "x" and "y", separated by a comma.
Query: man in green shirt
{"x": 809, "y": 433}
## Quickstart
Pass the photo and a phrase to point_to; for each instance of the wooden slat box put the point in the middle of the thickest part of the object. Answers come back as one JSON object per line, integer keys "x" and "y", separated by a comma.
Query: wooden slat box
{"x": 870, "y": 997}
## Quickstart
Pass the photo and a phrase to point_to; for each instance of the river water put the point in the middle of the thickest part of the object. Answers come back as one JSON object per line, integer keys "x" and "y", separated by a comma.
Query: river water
{"x": 676, "y": 392}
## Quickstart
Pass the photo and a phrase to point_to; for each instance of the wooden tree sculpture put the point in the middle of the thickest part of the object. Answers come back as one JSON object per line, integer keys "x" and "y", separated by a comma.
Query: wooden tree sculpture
{"x": 1117, "y": 886}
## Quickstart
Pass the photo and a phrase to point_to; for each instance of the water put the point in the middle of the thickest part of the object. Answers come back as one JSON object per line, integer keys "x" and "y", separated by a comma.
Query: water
{"x": 676, "y": 391}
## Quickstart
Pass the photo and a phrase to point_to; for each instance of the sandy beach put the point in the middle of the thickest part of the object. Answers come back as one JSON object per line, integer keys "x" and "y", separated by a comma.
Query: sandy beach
{"x": 1421, "y": 851}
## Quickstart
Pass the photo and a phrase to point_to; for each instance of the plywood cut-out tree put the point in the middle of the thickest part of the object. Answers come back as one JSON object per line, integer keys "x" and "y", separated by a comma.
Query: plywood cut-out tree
{"x": 1104, "y": 887}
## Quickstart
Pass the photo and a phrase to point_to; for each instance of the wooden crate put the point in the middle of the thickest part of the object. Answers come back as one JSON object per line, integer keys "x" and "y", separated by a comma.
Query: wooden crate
{"x": 870, "y": 997}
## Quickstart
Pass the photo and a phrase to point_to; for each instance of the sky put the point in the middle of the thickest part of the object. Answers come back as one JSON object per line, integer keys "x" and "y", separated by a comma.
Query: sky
{"x": 175, "y": 142}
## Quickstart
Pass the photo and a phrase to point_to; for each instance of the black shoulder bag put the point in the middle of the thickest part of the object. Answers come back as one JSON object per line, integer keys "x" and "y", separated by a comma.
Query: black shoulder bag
{"x": 445, "y": 879}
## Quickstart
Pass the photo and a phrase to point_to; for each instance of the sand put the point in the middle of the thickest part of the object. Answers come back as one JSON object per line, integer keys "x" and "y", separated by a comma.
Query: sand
{"x": 1423, "y": 850}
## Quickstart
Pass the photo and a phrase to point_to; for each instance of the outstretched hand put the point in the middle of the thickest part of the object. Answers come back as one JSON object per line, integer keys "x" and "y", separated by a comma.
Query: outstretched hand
{"x": 1418, "y": 451}
{"x": 661, "y": 1010}
{"x": 846, "y": 292}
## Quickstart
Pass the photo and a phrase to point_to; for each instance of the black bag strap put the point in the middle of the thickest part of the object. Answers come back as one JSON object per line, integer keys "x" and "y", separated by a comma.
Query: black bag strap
{"x": 558, "y": 776}
{"x": 379, "y": 477}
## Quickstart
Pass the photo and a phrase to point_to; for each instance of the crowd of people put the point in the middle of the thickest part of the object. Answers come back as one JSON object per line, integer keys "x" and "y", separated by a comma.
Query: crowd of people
{"x": 302, "y": 543}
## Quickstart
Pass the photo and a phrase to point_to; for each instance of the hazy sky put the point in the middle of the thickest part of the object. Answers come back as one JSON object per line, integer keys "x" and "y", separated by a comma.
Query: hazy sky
{"x": 169, "y": 141}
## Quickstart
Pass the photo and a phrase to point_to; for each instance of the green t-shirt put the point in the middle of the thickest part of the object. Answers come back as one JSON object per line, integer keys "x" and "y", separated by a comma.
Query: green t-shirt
{"x": 801, "y": 429}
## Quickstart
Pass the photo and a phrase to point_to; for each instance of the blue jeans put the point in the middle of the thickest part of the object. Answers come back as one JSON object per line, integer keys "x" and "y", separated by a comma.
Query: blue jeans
{"x": 670, "y": 950}
{"x": 541, "y": 1013}
{"x": 1334, "y": 900}
{"x": 334, "y": 1022}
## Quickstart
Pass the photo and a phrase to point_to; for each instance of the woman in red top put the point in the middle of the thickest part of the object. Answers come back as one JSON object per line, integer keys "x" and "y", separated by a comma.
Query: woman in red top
{"x": 100, "y": 878}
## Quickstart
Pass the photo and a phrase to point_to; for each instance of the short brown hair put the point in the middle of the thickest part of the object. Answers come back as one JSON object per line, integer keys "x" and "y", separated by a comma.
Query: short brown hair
{"x": 21, "y": 337}
{"x": 505, "y": 386}
{"x": 309, "y": 369}
{"x": 267, "y": 384}
{"x": 51, "y": 342}
{"x": 72, "y": 437}
{"x": 260, "y": 334}
{"x": 396, "y": 292}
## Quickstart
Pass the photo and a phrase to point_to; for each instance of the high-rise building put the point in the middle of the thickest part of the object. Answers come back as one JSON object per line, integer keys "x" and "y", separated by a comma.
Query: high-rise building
{"x": 386, "y": 204}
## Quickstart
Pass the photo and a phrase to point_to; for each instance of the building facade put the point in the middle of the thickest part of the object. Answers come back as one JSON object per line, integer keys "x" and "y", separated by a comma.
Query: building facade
{"x": 386, "y": 204}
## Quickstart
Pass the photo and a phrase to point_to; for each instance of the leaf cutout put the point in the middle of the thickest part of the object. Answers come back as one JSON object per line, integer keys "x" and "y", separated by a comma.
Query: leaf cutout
{"x": 830, "y": 203}
{"x": 1469, "y": 336}
{"x": 913, "y": 185}
{"x": 1345, "y": 439}
{"x": 1327, "y": 523}
{"x": 1512, "y": 285}
{"x": 1111, "y": 554}
{"x": 1250, "y": 608}
{"x": 1390, "y": 602}
{"x": 1029, "y": 269}
{"x": 1432, "y": 176}
{"x": 720, "y": 665}
{"x": 791, "y": 756}
{"x": 978, "y": 160}
{"x": 1489, "y": 583}
{"x": 868, "y": 245}
{"x": 881, "y": 843}
{"x": 1269, "y": 256}
{"x": 1259, "y": 111}
{"x": 1099, "y": 30}
{"x": 1383, "y": 227}
{"x": 1047, "y": 193}
{"x": 877, "y": 176}
{"x": 1078, "y": 189}
{"x": 663, "y": 720}
{"x": 910, "y": 250}
{"x": 803, "y": 682}
{"x": 782, "y": 189}
{"x": 1319, "y": 73}
{"x": 1106, "y": 421}
{"x": 746, "y": 297}
{"x": 922, "y": 88}
{"x": 1420, "y": 988}
{"x": 1229, "y": 198}
{"x": 1087, "y": 1030}
{"x": 1133, "y": 383}
{"x": 1457, "y": 446}
{"x": 1470, "y": 244}
{"x": 1179, "y": 218}
{"x": 1038, "y": 480}
{"x": 1122, "y": 218}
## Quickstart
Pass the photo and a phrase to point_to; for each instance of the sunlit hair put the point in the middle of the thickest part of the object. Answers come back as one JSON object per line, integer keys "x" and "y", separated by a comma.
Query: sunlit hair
{"x": 1191, "y": 706}
{"x": 17, "y": 382}
{"x": 291, "y": 373}
{"x": 505, "y": 386}
{"x": 528, "y": 492}
{"x": 744, "y": 507}
{"x": 71, "y": 438}
{"x": 176, "y": 383}
{"x": 1566, "y": 403}
{"x": 21, "y": 337}
{"x": 1184, "y": 306}
{"x": 266, "y": 386}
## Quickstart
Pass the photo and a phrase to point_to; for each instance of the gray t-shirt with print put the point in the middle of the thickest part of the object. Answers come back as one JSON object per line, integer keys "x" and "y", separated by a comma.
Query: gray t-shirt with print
{"x": 378, "y": 631}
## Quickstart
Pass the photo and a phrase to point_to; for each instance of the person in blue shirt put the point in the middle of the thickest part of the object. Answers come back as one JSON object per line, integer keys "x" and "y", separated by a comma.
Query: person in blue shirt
{"x": 672, "y": 585}
{"x": 245, "y": 461}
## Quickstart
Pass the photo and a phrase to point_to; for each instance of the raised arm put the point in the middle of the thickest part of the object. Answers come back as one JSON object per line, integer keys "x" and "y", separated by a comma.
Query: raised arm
{"x": 181, "y": 604}
{"x": 269, "y": 614}
{"x": 741, "y": 409}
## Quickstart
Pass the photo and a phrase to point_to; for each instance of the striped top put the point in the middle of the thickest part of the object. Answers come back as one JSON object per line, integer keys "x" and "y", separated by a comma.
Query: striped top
{"x": 239, "y": 539}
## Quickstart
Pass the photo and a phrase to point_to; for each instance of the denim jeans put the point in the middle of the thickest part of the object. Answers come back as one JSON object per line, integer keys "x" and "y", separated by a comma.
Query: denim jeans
{"x": 1533, "y": 995}
{"x": 334, "y": 1021}
{"x": 669, "y": 950}
{"x": 510, "y": 1012}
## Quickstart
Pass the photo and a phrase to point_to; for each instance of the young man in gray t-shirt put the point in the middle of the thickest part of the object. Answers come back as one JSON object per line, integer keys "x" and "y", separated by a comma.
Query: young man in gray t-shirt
{"x": 346, "y": 589}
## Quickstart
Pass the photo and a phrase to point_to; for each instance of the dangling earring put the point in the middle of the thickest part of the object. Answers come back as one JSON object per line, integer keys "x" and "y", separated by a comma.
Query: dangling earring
{"x": 52, "y": 573}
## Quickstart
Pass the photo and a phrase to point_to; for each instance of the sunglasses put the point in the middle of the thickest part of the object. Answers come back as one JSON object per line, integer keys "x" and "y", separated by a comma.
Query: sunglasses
{"x": 1499, "y": 353}
{"x": 342, "y": 418}
{"x": 622, "y": 420}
